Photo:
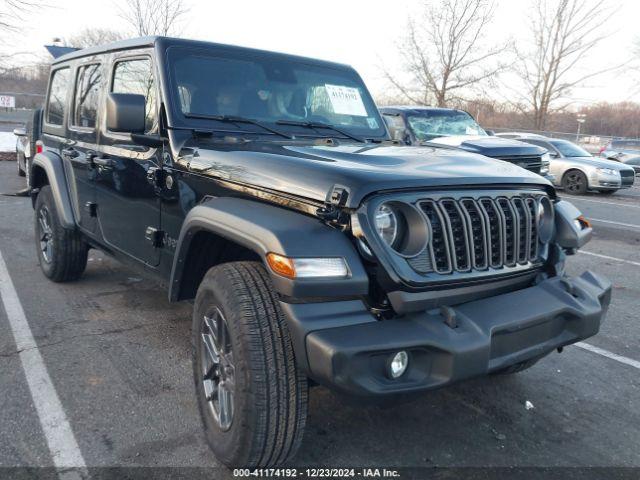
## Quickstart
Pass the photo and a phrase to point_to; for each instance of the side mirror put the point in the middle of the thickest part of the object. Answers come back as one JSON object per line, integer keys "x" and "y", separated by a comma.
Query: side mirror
{"x": 491, "y": 133}
{"x": 20, "y": 132}
{"x": 126, "y": 113}
{"x": 554, "y": 155}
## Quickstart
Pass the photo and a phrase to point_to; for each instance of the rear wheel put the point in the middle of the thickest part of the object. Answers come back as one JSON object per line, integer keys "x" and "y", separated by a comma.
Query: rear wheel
{"x": 575, "y": 182}
{"x": 251, "y": 395}
{"x": 62, "y": 252}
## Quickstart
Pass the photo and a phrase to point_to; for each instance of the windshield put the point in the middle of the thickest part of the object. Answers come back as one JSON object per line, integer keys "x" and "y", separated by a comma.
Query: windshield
{"x": 443, "y": 123}
{"x": 568, "y": 149}
{"x": 270, "y": 88}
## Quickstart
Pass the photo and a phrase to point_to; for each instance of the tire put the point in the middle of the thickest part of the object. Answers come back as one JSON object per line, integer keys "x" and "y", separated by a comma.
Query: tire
{"x": 62, "y": 252}
{"x": 269, "y": 393}
{"x": 574, "y": 182}
{"x": 607, "y": 192}
{"x": 516, "y": 368}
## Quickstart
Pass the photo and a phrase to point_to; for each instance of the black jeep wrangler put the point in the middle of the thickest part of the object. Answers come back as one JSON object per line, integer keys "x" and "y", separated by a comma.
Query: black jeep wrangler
{"x": 265, "y": 188}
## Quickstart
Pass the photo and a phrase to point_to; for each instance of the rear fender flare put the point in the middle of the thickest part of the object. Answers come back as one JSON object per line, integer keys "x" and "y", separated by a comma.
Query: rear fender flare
{"x": 53, "y": 168}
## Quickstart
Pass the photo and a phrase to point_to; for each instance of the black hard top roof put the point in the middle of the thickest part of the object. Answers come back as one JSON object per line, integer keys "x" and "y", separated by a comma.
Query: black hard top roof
{"x": 165, "y": 42}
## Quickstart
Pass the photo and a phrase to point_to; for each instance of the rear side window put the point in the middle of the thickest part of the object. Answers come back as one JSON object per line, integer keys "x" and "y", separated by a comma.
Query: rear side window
{"x": 88, "y": 85}
{"x": 58, "y": 94}
{"x": 136, "y": 76}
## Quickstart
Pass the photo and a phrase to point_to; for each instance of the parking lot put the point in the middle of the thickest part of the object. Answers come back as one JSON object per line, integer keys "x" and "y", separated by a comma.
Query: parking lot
{"x": 118, "y": 355}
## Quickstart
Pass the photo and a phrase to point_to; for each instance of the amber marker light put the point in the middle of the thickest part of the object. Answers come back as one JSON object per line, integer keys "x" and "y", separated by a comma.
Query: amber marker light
{"x": 281, "y": 265}
{"x": 585, "y": 223}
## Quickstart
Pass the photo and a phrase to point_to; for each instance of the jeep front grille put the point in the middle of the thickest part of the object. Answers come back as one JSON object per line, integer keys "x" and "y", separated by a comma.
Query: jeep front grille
{"x": 470, "y": 234}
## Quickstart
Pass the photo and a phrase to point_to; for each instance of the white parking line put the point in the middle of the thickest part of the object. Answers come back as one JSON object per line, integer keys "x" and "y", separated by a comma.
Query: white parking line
{"x": 580, "y": 199}
{"x": 613, "y": 223}
{"x": 608, "y": 354}
{"x": 62, "y": 443}
{"x": 607, "y": 257}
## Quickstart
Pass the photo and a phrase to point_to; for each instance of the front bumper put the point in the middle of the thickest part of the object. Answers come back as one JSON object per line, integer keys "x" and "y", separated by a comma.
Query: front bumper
{"x": 342, "y": 346}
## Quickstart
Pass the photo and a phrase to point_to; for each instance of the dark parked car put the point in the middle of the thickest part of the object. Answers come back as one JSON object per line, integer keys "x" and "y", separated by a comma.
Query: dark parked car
{"x": 624, "y": 151}
{"x": 576, "y": 171}
{"x": 265, "y": 188}
{"x": 456, "y": 128}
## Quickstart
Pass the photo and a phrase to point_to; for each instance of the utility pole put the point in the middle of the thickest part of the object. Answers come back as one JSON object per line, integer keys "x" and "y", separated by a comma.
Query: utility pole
{"x": 581, "y": 118}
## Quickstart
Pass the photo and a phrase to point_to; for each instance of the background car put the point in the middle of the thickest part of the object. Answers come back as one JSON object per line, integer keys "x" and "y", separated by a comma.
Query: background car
{"x": 624, "y": 151}
{"x": 457, "y": 128}
{"x": 577, "y": 171}
{"x": 26, "y": 142}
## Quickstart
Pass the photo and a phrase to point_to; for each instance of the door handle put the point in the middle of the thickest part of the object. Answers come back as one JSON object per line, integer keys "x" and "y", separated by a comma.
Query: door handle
{"x": 102, "y": 162}
{"x": 70, "y": 152}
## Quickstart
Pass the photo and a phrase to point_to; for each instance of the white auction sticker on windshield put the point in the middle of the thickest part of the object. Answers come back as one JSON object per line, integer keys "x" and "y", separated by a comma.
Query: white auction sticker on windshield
{"x": 346, "y": 100}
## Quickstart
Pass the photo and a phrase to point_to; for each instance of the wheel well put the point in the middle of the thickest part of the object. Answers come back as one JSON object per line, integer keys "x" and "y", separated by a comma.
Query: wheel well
{"x": 38, "y": 179}
{"x": 205, "y": 251}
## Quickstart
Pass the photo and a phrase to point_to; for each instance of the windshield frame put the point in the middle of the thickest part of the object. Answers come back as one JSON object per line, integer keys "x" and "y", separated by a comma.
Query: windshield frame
{"x": 177, "y": 119}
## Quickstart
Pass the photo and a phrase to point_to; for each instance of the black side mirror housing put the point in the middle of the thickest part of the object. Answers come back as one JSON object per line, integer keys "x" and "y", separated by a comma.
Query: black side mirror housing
{"x": 126, "y": 113}
{"x": 491, "y": 133}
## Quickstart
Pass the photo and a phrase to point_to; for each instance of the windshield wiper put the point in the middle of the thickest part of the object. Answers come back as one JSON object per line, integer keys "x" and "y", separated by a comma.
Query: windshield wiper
{"x": 234, "y": 119}
{"x": 299, "y": 123}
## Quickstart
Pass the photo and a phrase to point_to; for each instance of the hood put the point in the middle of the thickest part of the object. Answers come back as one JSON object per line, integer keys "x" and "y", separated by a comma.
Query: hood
{"x": 491, "y": 146}
{"x": 313, "y": 171}
{"x": 597, "y": 162}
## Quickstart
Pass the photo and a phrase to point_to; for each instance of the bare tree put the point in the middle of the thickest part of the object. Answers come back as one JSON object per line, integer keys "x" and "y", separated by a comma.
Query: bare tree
{"x": 12, "y": 13}
{"x": 154, "y": 17}
{"x": 443, "y": 53}
{"x": 564, "y": 32}
{"x": 90, "y": 37}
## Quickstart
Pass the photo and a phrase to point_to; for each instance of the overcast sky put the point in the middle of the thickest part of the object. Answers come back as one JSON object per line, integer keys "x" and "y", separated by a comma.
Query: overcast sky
{"x": 363, "y": 33}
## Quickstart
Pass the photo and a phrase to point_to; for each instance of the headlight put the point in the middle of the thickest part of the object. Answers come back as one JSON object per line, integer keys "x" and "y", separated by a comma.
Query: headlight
{"x": 387, "y": 224}
{"x": 607, "y": 171}
{"x": 402, "y": 228}
{"x": 545, "y": 218}
{"x": 544, "y": 165}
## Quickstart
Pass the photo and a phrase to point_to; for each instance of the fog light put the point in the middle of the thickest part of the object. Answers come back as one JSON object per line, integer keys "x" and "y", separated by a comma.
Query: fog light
{"x": 398, "y": 364}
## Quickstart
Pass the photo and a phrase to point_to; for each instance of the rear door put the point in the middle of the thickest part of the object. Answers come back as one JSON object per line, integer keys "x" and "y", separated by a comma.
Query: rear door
{"x": 128, "y": 202}
{"x": 81, "y": 145}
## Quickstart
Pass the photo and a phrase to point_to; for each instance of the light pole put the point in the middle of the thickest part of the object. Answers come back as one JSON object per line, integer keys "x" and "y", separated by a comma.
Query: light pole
{"x": 581, "y": 118}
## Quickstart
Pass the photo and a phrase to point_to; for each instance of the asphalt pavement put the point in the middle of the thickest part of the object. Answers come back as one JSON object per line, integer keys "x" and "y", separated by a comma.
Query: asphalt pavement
{"x": 118, "y": 357}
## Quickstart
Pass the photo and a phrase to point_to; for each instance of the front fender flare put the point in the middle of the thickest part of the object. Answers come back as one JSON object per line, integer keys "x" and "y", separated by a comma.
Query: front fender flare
{"x": 265, "y": 228}
{"x": 53, "y": 167}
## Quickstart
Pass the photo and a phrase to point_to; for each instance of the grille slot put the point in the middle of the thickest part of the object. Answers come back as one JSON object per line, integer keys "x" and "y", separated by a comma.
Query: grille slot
{"x": 470, "y": 234}
{"x": 439, "y": 246}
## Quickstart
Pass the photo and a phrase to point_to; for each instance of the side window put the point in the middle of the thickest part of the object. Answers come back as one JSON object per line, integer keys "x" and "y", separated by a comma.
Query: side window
{"x": 87, "y": 93}
{"x": 58, "y": 94}
{"x": 136, "y": 76}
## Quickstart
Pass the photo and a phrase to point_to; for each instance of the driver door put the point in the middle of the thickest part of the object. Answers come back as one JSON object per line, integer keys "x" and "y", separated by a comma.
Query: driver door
{"x": 128, "y": 201}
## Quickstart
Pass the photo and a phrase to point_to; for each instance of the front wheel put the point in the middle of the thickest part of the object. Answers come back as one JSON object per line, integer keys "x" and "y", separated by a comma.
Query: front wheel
{"x": 251, "y": 395}
{"x": 575, "y": 182}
